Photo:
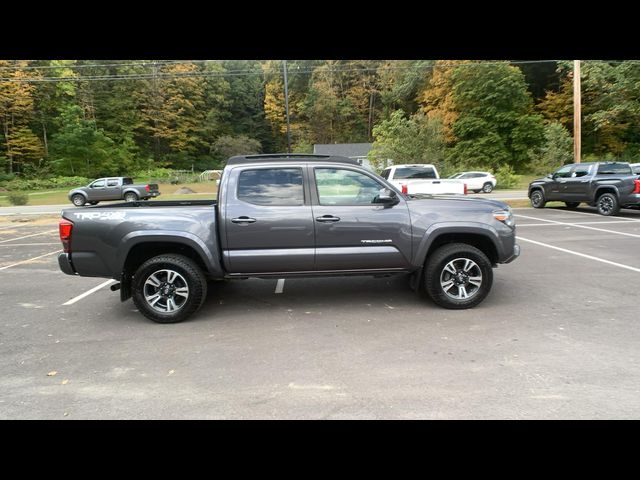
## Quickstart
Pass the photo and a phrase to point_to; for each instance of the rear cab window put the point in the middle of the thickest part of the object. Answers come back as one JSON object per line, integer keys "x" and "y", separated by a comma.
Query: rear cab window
{"x": 127, "y": 181}
{"x": 271, "y": 186}
{"x": 614, "y": 169}
{"x": 414, "y": 172}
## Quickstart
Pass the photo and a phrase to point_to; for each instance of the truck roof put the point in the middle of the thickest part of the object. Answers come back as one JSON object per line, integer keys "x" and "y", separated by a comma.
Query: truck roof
{"x": 289, "y": 157}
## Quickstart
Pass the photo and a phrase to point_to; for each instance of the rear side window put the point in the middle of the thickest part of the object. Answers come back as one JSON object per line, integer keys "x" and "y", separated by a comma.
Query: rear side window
{"x": 581, "y": 171}
{"x": 112, "y": 182}
{"x": 271, "y": 186}
{"x": 614, "y": 169}
{"x": 414, "y": 172}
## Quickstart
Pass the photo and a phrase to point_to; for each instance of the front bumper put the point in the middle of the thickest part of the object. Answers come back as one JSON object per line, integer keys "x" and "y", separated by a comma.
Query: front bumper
{"x": 516, "y": 254}
{"x": 64, "y": 261}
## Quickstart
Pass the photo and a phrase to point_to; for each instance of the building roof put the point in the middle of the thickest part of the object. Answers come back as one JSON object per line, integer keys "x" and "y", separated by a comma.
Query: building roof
{"x": 343, "y": 149}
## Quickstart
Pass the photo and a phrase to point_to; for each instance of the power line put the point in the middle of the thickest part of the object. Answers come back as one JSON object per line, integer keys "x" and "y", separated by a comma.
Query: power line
{"x": 230, "y": 73}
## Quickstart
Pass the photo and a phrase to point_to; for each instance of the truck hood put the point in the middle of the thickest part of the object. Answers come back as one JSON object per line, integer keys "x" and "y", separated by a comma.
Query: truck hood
{"x": 420, "y": 202}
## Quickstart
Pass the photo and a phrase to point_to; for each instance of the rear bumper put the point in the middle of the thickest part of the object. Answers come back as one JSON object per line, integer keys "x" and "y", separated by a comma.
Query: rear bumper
{"x": 64, "y": 261}
{"x": 514, "y": 255}
{"x": 631, "y": 199}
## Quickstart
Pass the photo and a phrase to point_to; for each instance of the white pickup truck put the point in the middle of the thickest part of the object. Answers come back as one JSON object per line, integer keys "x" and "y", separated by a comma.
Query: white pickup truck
{"x": 422, "y": 179}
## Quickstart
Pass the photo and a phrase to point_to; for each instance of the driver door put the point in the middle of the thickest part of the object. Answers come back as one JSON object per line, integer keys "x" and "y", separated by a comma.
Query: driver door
{"x": 556, "y": 187}
{"x": 353, "y": 232}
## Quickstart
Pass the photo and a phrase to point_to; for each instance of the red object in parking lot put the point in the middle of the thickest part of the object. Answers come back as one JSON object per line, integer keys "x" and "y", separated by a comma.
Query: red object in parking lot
{"x": 465, "y": 188}
{"x": 637, "y": 189}
{"x": 66, "y": 227}
{"x": 146, "y": 187}
{"x": 405, "y": 189}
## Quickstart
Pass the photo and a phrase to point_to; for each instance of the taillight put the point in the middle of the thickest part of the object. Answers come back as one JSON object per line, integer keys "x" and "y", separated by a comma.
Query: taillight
{"x": 66, "y": 227}
{"x": 637, "y": 189}
{"x": 405, "y": 189}
{"x": 465, "y": 188}
{"x": 146, "y": 187}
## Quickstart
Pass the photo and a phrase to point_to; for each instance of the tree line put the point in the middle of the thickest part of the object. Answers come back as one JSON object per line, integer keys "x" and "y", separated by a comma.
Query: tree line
{"x": 95, "y": 118}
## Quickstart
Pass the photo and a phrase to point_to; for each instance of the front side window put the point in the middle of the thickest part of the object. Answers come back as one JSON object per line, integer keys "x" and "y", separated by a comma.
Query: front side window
{"x": 98, "y": 184}
{"x": 564, "y": 172}
{"x": 338, "y": 186}
{"x": 414, "y": 172}
{"x": 271, "y": 186}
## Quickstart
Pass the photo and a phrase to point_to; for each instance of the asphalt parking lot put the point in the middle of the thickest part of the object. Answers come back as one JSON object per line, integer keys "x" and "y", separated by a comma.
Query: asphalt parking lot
{"x": 557, "y": 338}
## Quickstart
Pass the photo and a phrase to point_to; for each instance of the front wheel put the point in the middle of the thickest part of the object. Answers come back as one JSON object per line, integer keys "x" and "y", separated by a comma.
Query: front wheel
{"x": 537, "y": 199}
{"x": 78, "y": 200}
{"x": 608, "y": 204}
{"x": 169, "y": 288}
{"x": 487, "y": 187}
{"x": 458, "y": 276}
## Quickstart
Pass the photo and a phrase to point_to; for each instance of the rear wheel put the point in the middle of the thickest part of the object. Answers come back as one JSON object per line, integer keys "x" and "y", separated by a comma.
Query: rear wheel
{"x": 78, "y": 200}
{"x": 458, "y": 276}
{"x": 487, "y": 187}
{"x": 572, "y": 204}
{"x": 607, "y": 204}
{"x": 169, "y": 288}
{"x": 537, "y": 199}
{"x": 130, "y": 197}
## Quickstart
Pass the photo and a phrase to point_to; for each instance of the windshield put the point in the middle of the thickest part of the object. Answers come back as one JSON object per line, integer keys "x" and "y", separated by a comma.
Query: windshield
{"x": 456, "y": 175}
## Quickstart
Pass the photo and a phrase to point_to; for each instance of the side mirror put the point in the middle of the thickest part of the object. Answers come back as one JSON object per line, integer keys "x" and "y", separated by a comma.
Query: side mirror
{"x": 388, "y": 197}
{"x": 551, "y": 176}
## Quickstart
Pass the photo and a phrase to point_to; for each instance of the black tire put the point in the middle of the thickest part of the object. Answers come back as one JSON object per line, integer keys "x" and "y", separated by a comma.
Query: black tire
{"x": 189, "y": 275}
{"x": 608, "y": 204}
{"x": 78, "y": 200}
{"x": 130, "y": 197}
{"x": 94, "y": 203}
{"x": 477, "y": 191}
{"x": 537, "y": 199}
{"x": 572, "y": 204}
{"x": 436, "y": 271}
{"x": 487, "y": 187}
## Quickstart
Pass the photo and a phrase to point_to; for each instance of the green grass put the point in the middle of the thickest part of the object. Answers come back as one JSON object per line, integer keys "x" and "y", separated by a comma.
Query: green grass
{"x": 203, "y": 190}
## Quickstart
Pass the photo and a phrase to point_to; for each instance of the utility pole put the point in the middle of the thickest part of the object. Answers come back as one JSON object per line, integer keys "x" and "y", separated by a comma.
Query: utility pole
{"x": 286, "y": 105}
{"x": 577, "y": 112}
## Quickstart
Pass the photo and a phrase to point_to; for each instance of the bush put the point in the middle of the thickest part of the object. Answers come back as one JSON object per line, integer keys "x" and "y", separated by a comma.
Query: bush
{"x": 506, "y": 177}
{"x": 17, "y": 198}
{"x": 46, "y": 183}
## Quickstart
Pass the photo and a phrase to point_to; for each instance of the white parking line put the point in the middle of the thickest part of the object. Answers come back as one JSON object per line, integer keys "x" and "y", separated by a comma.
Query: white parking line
{"x": 29, "y": 260}
{"x": 572, "y": 223}
{"x": 27, "y": 236}
{"x": 582, "y": 226}
{"x": 89, "y": 292}
{"x": 590, "y": 257}
{"x": 280, "y": 285}
{"x": 29, "y": 244}
{"x": 587, "y": 213}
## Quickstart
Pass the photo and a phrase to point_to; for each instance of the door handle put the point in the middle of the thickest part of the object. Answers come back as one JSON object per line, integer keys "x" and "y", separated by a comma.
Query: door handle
{"x": 328, "y": 218}
{"x": 243, "y": 219}
{"x": 435, "y": 182}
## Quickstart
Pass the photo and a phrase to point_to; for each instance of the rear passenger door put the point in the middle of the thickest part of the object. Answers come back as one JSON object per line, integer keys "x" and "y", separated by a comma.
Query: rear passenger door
{"x": 268, "y": 223}
{"x": 353, "y": 232}
{"x": 576, "y": 188}
{"x": 113, "y": 190}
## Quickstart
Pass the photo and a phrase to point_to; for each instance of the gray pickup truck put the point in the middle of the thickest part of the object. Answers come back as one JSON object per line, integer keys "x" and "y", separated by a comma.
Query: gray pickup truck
{"x": 280, "y": 216}
{"x": 608, "y": 186}
{"x": 114, "y": 188}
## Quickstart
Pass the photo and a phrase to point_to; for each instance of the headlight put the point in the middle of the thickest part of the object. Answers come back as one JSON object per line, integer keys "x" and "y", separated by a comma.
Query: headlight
{"x": 505, "y": 216}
